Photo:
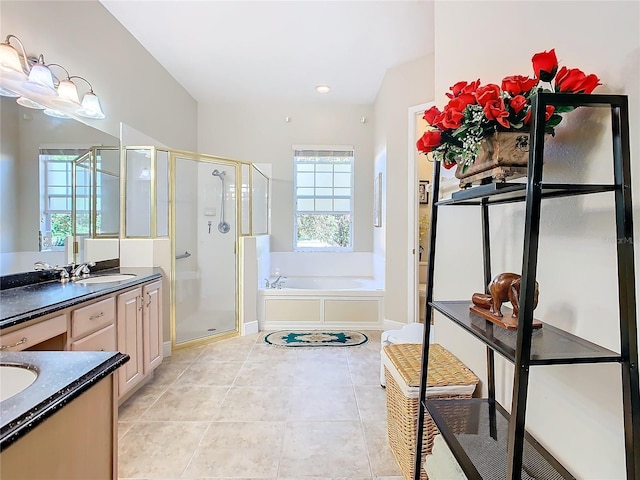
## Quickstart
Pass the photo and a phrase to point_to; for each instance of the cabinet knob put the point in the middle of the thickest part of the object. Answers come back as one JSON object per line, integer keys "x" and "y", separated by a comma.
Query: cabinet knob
{"x": 149, "y": 302}
{"x": 97, "y": 315}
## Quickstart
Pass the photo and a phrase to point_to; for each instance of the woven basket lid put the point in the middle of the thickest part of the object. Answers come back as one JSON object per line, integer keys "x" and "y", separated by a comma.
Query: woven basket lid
{"x": 444, "y": 368}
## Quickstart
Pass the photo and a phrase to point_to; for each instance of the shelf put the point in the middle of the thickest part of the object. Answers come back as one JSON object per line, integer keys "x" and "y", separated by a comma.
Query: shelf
{"x": 500, "y": 193}
{"x": 550, "y": 345}
{"x": 476, "y": 431}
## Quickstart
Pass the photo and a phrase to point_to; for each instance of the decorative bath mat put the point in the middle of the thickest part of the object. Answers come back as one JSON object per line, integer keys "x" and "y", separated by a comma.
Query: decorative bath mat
{"x": 315, "y": 338}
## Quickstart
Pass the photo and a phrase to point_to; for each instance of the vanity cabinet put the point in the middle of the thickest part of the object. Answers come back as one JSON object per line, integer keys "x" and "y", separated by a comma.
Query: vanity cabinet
{"x": 128, "y": 320}
{"x": 130, "y": 339}
{"x": 78, "y": 442}
{"x": 152, "y": 325}
{"x": 139, "y": 334}
{"x": 93, "y": 327}
{"x": 41, "y": 334}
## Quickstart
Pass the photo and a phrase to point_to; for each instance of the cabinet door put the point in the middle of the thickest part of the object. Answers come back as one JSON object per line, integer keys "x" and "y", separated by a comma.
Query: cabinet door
{"x": 130, "y": 339}
{"x": 152, "y": 325}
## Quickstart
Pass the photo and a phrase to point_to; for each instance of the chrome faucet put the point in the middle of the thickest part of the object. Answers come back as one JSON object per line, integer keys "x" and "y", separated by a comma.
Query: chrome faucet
{"x": 81, "y": 270}
{"x": 277, "y": 283}
{"x": 64, "y": 274}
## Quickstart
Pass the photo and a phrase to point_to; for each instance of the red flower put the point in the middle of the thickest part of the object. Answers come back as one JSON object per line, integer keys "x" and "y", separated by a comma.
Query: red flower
{"x": 431, "y": 115}
{"x": 451, "y": 118}
{"x": 575, "y": 81}
{"x": 454, "y": 112}
{"x": 517, "y": 84}
{"x": 488, "y": 93}
{"x": 518, "y": 103}
{"x": 462, "y": 88}
{"x": 545, "y": 65}
{"x": 430, "y": 140}
{"x": 448, "y": 165}
{"x": 495, "y": 110}
{"x": 547, "y": 114}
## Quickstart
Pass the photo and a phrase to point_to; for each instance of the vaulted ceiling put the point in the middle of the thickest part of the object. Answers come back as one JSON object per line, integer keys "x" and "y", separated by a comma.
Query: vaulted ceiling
{"x": 279, "y": 51}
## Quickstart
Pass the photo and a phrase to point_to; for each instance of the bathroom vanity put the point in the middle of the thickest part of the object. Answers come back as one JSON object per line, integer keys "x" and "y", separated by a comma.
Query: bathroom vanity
{"x": 117, "y": 309}
{"x": 64, "y": 425}
{"x": 91, "y": 343}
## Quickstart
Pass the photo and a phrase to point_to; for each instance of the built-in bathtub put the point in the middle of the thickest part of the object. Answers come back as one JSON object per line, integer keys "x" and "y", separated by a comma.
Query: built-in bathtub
{"x": 322, "y": 302}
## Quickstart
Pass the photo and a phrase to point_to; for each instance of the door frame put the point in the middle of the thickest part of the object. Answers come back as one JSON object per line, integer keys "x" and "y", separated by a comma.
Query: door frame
{"x": 413, "y": 210}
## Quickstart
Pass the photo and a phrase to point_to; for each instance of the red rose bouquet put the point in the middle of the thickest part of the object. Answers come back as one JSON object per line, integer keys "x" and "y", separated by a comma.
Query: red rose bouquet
{"x": 475, "y": 111}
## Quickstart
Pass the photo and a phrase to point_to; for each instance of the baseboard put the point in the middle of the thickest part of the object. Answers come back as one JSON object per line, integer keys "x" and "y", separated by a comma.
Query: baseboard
{"x": 250, "y": 328}
{"x": 166, "y": 349}
{"x": 392, "y": 325}
{"x": 320, "y": 326}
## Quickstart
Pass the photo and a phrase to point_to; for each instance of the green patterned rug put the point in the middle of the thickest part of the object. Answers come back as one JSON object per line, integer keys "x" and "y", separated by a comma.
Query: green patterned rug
{"x": 315, "y": 338}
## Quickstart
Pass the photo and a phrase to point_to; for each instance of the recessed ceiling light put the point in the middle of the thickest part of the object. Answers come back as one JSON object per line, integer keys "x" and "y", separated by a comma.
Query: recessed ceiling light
{"x": 323, "y": 89}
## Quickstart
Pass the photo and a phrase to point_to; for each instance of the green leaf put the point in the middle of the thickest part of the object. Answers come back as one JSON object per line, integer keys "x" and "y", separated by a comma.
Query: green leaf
{"x": 564, "y": 109}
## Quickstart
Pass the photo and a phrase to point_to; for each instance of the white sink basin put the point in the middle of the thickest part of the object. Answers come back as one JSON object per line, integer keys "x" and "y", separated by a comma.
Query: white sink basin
{"x": 106, "y": 278}
{"x": 14, "y": 379}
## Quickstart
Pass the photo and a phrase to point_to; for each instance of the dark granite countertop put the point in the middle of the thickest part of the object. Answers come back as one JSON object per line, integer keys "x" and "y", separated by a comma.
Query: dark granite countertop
{"x": 62, "y": 377}
{"x": 24, "y": 303}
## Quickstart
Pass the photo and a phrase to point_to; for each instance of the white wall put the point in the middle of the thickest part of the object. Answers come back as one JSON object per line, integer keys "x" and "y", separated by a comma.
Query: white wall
{"x": 88, "y": 41}
{"x": 259, "y": 133}
{"x": 575, "y": 411}
{"x": 403, "y": 86}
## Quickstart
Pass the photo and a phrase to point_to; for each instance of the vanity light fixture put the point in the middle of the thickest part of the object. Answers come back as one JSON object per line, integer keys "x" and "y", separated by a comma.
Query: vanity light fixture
{"x": 40, "y": 79}
{"x": 323, "y": 89}
{"x": 10, "y": 64}
{"x": 36, "y": 86}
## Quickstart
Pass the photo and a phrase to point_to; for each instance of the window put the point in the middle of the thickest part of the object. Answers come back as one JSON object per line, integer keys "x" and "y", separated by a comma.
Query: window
{"x": 323, "y": 189}
{"x": 56, "y": 193}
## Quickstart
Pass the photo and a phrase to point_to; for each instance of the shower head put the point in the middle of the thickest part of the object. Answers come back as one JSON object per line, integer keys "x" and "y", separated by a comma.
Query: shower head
{"x": 218, "y": 173}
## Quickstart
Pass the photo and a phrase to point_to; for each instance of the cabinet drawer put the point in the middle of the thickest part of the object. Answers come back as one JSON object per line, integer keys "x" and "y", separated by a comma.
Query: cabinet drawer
{"x": 90, "y": 318}
{"x": 102, "y": 340}
{"x": 32, "y": 335}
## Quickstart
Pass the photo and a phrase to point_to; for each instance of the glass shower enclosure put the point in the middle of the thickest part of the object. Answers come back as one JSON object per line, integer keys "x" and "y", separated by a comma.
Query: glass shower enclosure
{"x": 206, "y": 231}
{"x": 204, "y": 205}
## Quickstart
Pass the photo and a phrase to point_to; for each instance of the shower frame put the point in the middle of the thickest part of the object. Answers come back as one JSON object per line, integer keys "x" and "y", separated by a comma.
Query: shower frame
{"x": 237, "y": 165}
{"x": 211, "y": 159}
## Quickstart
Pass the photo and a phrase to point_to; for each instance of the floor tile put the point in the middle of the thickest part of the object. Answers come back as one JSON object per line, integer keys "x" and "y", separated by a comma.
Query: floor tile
{"x": 158, "y": 449}
{"x": 383, "y": 463}
{"x": 372, "y": 402}
{"x": 186, "y": 403}
{"x": 331, "y": 371}
{"x": 276, "y": 372}
{"x": 238, "y": 449}
{"x": 329, "y": 449}
{"x": 210, "y": 373}
{"x": 257, "y": 403}
{"x": 317, "y": 403}
{"x": 244, "y": 410}
{"x": 134, "y": 407}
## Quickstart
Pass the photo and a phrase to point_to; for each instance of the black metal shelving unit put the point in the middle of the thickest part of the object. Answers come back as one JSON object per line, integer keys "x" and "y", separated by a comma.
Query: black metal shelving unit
{"x": 487, "y": 441}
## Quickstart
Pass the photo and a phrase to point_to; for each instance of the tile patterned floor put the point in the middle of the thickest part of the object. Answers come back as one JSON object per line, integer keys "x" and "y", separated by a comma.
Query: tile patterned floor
{"x": 242, "y": 409}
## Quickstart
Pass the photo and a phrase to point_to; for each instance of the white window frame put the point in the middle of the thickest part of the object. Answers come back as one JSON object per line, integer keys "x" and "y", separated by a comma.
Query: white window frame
{"x": 296, "y": 212}
{"x": 52, "y": 156}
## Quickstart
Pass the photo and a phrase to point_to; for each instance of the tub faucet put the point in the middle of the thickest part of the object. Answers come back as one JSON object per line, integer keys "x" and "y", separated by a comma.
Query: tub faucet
{"x": 278, "y": 282}
{"x": 81, "y": 270}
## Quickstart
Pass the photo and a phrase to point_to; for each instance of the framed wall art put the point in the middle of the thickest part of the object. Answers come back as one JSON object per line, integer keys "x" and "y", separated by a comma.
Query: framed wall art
{"x": 423, "y": 192}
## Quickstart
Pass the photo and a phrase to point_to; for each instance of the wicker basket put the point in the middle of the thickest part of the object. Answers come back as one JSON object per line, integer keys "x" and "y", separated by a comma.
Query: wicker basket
{"x": 448, "y": 378}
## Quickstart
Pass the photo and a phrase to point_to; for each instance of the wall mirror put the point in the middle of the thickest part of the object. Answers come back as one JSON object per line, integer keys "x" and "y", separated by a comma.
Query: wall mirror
{"x": 42, "y": 217}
